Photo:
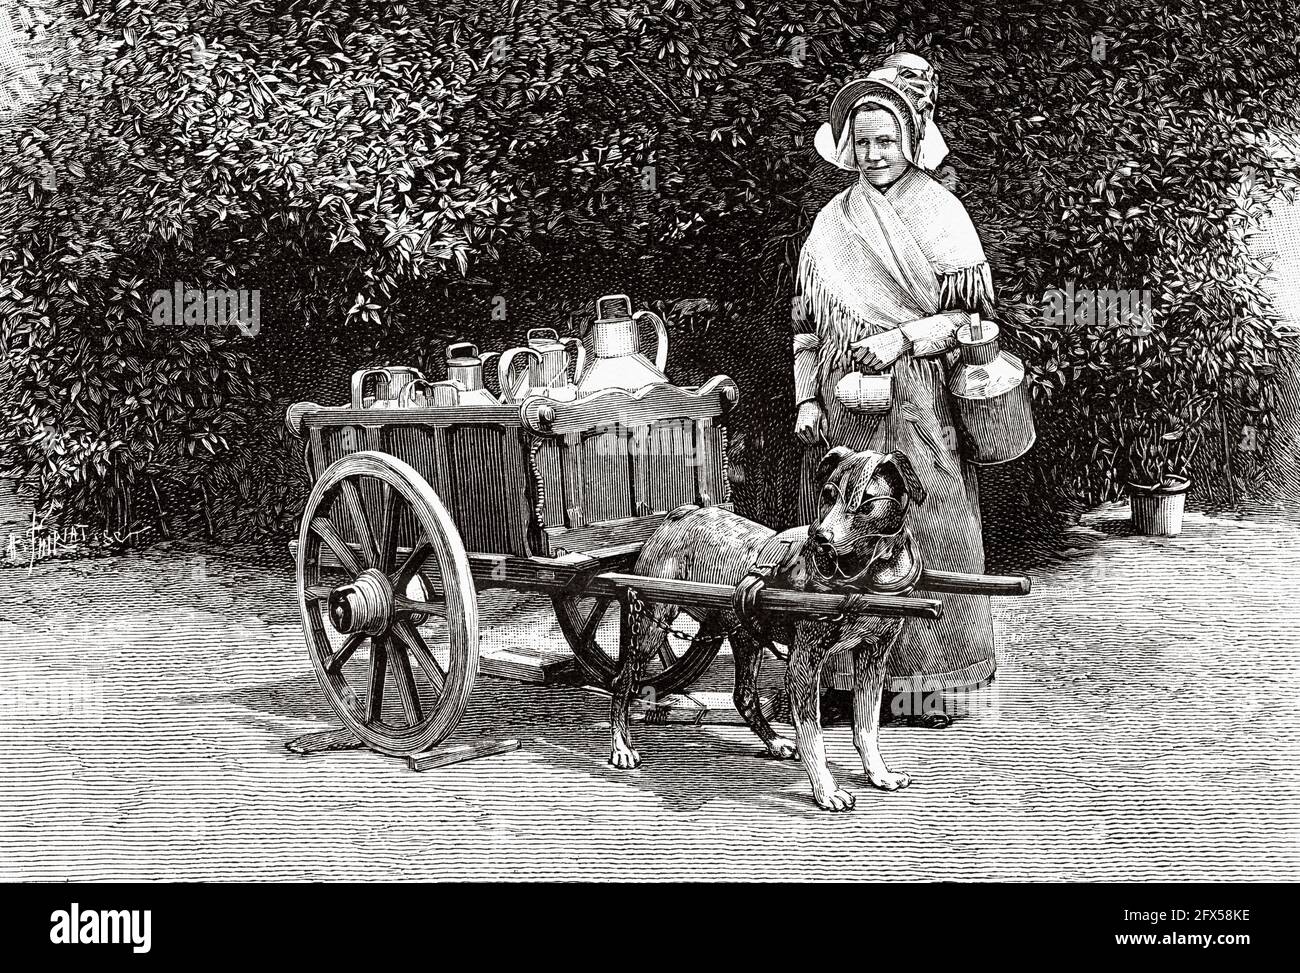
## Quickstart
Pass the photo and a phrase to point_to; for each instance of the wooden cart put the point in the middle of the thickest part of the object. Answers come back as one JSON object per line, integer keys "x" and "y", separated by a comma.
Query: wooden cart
{"x": 413, "y": 511}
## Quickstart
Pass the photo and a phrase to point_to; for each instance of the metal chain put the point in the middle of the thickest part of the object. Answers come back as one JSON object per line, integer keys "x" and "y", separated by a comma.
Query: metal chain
{"x": 636, "y": 608}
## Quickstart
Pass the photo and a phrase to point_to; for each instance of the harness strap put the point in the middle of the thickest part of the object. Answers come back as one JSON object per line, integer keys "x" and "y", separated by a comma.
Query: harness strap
{"x": 771, "y": 557}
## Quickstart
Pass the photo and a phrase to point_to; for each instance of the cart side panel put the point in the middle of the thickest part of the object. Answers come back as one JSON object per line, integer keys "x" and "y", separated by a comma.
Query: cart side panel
{"x": 488, "y": 461}
{"x": 607, "y": 472}
{"x": 664, "y": 466}
{"x": 424, "y": 448}
{"x": 711, "y": 482}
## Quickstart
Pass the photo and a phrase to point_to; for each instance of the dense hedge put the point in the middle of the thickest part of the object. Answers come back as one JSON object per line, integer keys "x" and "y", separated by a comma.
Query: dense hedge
{"x": 387, "y": 173}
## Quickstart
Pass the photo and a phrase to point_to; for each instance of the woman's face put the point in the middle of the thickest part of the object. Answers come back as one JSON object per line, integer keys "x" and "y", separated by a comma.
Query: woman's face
{"x": 878, "y": 146}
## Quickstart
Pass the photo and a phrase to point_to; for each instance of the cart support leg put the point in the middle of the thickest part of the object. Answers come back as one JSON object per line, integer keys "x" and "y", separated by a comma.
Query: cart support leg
{"x": 325, "y": 741}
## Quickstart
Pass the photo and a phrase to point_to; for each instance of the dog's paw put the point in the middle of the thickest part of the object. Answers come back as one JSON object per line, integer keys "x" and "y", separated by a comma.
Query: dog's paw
{"x": 624, "y": 757}
{"x": 890, "y": 780}
{"x": 782, "y": 749}
{"x": 837, "y": 800}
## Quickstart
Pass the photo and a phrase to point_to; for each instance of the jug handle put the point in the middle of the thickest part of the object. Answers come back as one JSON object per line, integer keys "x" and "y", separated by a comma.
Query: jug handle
{"x": 483, "y": 360}
{"x": 661, "y": 332}
{"x": 623, "y": 300}
{"x": 506, "y": 366}
{"x": 580, "y": 357}
{"x": 542, "y": 332}
{"x": 406, "y": 397}
{"x": 431, "y": 393}
{"x": 359, "y": 383}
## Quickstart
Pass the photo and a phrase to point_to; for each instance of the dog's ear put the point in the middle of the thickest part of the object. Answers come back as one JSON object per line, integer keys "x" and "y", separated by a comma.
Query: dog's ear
{"x": 830, "y": 461}
{"x": 911, "y": 481}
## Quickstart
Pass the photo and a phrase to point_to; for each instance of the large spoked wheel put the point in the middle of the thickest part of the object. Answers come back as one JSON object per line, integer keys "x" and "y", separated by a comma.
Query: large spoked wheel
{"x": 392, "y": 632}
{"x": 591, "y": 624}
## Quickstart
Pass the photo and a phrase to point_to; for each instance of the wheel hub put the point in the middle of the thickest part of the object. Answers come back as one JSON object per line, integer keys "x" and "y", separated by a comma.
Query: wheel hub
{"x": 365, "y": 605}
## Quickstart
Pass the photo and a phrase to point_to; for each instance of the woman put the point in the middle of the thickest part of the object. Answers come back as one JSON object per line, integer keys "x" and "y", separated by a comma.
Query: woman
{"x": 885, "y": 257}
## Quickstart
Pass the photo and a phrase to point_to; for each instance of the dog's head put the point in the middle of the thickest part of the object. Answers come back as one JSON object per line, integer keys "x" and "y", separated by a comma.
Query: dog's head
{"x": 863, "y": 506}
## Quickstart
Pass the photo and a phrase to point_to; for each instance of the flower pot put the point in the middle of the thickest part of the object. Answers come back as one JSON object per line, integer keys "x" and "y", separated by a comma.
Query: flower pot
{"x": 1157, "y": 511}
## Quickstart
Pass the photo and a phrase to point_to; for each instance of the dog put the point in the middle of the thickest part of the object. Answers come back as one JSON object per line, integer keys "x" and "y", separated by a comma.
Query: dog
{"x": 858, "y": 542}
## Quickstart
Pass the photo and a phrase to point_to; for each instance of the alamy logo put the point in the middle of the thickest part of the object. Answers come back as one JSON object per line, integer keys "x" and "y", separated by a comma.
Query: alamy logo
{"x": 1123, "y": 309}
{"x": 96, "y": 926}
{"x": 195, "y": 307}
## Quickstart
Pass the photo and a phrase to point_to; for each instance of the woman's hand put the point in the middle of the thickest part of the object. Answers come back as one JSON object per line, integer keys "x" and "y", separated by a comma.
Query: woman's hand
{"x": 810, "y": 423}
{"x": 878, "y": 352}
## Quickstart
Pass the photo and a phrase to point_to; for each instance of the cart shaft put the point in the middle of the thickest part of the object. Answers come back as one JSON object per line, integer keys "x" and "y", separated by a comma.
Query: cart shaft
{"x": 703, "y": 594}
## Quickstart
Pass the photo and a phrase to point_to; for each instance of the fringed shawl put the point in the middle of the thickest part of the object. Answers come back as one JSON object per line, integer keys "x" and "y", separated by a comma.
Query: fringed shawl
{"x": 878, "y": 260}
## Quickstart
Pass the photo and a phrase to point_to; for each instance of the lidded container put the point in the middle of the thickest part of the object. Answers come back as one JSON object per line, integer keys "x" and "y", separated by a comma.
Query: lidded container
{"x": 548, "y": 373}
{"x": 386, "y": 387}
{"x": 991, "y": 396}
{"x": 465, "y": 369}
{"x": 616, "y": 361}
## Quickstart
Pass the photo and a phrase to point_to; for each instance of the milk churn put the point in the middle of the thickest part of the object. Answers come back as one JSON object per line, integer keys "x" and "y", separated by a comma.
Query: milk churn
{"x": 616, "y": 361}
{"x": 465, "y": 367}
{"x": 549, "y": 358}
{"x": 992, "y": 396}
{"x": 423, "y": 394}
{"x": 386, "y": 386}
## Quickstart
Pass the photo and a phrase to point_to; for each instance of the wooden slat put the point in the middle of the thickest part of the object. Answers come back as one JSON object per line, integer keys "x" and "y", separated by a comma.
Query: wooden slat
{"x": 505, "y": 415}
{"x": 607, "y": 471}
{"x": 575, "y": 487}
{"x": 515, "y": 475}
{"x": 443, "y": 480}
{"x": 596, "y": 537}
{"x": 325, "y": 741}
{"x": 617, "y": 406}
{"x": 444, "y": 756}
{"x": 670, "y": 465}
{"x": 318, "y": 461}
{"x": 709, "y": 471}
{"x": 643, "y": 444}
{"x": 525, "y": 663}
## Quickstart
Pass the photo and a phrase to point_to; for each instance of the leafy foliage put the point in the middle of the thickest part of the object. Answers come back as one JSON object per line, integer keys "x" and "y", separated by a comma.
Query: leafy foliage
{"x": 383, "y": 172}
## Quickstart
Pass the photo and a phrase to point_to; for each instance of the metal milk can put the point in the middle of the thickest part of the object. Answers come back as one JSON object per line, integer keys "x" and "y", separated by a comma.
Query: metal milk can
{"x": 387, "y": 387}
{"x": 548, "y": 370}
{"x": 991, "y": 396}
{"x": 616, "y": 361}
{"x": 465, "y": 367}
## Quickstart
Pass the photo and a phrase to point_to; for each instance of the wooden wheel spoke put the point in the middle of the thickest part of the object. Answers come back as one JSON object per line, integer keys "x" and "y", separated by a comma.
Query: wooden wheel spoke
{"x": 410, "y": 636}
{"x": 405, "y": 680}
{"x": 323, "y": 529}
{"x": 339, "y": 659}
{"x": 413, "y": 563}
{"x": 388, "y": 517}
{"x": 667, "y": 657}
{"x": 378, "y": 666}
{"x": 589, "y": 624}
{"x": 318, "y": 592}
{"x": 404, "y": 604}
{"x": 352, "y": 499}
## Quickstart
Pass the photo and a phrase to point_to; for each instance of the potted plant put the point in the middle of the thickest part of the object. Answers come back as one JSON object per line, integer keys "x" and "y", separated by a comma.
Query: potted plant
{"x": 1160, "y": 451}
